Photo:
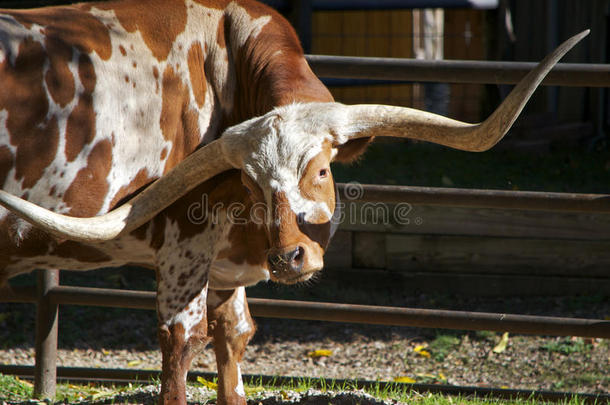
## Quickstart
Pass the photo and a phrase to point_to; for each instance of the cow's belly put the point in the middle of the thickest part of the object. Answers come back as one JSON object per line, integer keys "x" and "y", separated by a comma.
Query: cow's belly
{"x": 226, "y": 275}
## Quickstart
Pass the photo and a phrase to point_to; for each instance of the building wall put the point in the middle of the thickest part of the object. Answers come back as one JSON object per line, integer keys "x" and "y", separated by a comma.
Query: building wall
{"x": 390, "y": 34}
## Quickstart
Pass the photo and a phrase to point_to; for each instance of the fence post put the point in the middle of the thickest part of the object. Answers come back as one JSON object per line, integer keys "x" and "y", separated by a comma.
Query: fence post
{"x": 46, "y": 336}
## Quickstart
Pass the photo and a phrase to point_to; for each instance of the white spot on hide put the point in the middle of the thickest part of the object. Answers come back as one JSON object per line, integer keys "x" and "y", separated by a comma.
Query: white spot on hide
{"x": 239, "y": 306}
{"x": 239, "y": 389}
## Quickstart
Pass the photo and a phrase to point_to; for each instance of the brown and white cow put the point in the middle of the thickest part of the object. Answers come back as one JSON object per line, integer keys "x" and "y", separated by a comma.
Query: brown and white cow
{"x": 154, "y": 133}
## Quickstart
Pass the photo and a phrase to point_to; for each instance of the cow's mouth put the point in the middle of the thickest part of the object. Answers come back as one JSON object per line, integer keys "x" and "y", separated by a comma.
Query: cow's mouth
{"x": 294, "y": 279}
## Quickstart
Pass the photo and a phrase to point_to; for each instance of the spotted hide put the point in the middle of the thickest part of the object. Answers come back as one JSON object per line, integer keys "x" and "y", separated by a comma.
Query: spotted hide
{"x": 97, "y": 101}
{"x": 190, "y": 137}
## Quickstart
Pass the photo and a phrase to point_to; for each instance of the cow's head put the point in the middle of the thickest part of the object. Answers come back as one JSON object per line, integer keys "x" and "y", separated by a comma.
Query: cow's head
{"x": 285, "y": 157}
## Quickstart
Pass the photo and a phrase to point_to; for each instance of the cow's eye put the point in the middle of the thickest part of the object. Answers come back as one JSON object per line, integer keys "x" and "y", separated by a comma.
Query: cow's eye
{"x": 323, "y": 173}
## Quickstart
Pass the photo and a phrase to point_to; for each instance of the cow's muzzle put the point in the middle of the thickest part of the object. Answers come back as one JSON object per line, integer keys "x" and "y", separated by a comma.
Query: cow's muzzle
{"x": 287, "y": 266}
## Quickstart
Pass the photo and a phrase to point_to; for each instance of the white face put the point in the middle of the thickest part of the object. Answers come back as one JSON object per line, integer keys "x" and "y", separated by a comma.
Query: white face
{"x": 285, "y": 159}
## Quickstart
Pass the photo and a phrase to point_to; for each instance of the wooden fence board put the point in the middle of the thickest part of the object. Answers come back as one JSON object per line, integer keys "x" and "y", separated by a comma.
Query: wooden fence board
{"x": 497, "y": 255}
{"x": 473, "y": 284}
{"x": 481, "y": 222}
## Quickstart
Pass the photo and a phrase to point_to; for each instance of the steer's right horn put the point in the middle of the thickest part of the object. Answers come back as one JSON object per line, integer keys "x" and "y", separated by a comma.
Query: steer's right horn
{"x": 359, "y": 121}
{"x": 200, "y": 166}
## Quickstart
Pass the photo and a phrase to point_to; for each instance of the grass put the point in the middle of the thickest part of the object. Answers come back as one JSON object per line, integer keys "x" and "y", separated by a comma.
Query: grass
{"x": 567, "y": 346}
{"x": 442, "y": 345}
{"x": 16, "y": 390}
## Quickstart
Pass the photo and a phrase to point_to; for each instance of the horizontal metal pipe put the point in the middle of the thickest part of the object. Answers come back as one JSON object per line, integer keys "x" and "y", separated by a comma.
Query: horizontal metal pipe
{"x": 340, "y": 5}
{"x": 461, "y": 197}
{"x": 455, "y": 71}
{"x": 425, "y": 318}
{"x": 103, "y": 297}
{"x": 430, "y": 318}
{"x": 129, "y": 375}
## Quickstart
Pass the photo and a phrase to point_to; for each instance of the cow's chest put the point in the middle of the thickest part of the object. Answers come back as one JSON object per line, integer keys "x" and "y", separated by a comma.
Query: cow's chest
{"x": 242, "y": 259}
{"x": 227, "y": 275}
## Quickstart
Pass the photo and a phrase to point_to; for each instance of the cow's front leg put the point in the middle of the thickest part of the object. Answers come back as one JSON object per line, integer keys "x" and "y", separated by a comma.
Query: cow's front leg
{"x": 181, "y": 308}
{"x": 231, "y": 327}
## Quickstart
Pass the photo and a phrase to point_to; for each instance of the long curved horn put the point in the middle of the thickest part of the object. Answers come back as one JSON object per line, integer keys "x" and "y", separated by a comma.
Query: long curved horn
{"x": 203, "y": 164}
{"x": 380, "y": 120}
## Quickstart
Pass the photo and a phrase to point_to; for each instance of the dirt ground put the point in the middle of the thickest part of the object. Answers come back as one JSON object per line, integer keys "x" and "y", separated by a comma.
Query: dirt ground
{"x": 109, "y": 338}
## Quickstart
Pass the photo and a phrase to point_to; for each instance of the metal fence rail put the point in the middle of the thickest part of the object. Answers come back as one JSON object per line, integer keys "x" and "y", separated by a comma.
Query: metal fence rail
{"x": 461, "y": 197}
{"x": 384, "y": 4}
{"x": 332, "y": 312}
{"x": 455, "y": 71}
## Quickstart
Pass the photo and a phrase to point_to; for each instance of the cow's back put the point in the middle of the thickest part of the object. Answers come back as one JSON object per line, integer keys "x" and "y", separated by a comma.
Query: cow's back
{"x": 88, "y": 102}
{"x": 98, "y": 100}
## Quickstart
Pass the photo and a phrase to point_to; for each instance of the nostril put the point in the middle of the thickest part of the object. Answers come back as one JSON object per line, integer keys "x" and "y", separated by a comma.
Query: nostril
{"x": 298, "y": 255}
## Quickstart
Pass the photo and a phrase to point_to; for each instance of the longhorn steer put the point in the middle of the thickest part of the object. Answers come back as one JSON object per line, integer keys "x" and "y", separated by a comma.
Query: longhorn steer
{"x": 100, "y": 101}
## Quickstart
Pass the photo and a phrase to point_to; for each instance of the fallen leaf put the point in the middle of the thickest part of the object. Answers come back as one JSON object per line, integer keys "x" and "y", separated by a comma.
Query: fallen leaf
{"x": 24, "y": 382}
{"x": 320, "y": 353}
{"x": 404, "y": 379}
{"x": 420, "y": 350}
{"x": 501, "y": 346}
{"x": 442, "y": 376}
{"x": 134, "y": 363}
{"x": 105, "y": 352}
{"x": 209, "y": 384}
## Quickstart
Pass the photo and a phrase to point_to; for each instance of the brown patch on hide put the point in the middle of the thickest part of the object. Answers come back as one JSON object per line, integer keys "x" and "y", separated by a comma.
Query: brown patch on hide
{"x": 158, "y": 21}
{"x": 80, "y": 128}
{"x": 86, "y": 194}
{"x": 23, "y": 97}
{"x": 179, "y": 121}
{"x": 220, "y": 33}
{"x": 59, "y": 79}
{"x": 72, "y": 25}
{"x": 6, "y": 163}
{"x": 196, "y": 63}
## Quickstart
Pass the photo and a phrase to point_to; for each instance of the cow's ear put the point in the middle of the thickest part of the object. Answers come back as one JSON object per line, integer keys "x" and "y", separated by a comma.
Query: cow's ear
{"x": 351, "y": 150}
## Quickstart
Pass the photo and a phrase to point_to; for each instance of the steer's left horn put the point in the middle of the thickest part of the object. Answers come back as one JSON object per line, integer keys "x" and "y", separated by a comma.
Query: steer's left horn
{"x": 202, "y": 165}
{"x": 381, "y": 120}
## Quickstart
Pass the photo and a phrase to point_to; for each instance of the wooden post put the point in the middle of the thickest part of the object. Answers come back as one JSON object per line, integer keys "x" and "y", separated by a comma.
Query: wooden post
{"x": 46, "y": 336}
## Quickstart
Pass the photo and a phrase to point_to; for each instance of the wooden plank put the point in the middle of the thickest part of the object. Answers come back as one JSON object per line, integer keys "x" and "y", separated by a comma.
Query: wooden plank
{"x": 354, "y": 44}
{"x": 369, "y": 250}
{"x": 339, "y": 252}
{"x": 401, "y": 22}
{"x": 544, "y": 257}
{"x": 433, "y": 220}
{"x": 473, "y": 284}
{"x": 327, "y": 39}
{"x": 465, "y": 39}
{"x": 378, "y": 43}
